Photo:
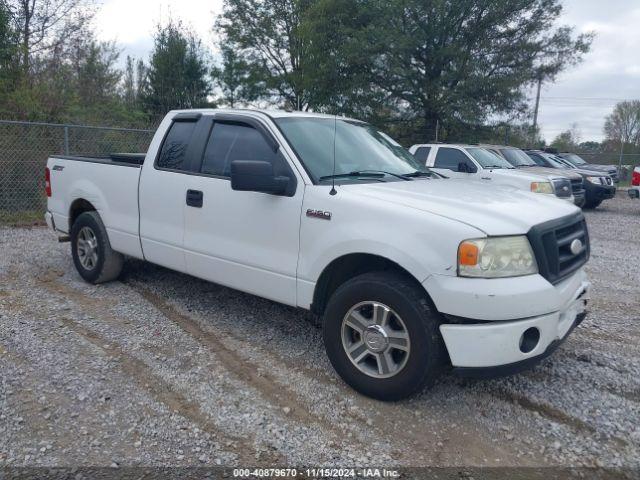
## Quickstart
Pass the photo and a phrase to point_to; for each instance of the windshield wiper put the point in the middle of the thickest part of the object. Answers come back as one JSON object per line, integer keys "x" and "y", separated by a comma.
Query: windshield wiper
{"x": 397, "y": 175}
{"x": 493, "y": 166}
{"x": 354, "y": 174}
{"x": 418, "y": 173}
{"x": 365, "y": 174}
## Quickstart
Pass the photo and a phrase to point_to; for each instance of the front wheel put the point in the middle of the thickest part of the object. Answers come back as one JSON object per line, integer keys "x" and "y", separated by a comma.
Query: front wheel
{"x": 592, "y": 204}
{"x": 381, "y": 335}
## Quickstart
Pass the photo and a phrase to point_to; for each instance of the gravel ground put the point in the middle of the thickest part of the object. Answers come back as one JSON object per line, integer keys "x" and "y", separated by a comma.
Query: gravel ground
{"x": 164, "y": 369}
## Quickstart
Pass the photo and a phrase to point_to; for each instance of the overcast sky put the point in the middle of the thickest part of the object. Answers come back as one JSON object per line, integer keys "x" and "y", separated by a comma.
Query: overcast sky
{"x": 583, "y": 95}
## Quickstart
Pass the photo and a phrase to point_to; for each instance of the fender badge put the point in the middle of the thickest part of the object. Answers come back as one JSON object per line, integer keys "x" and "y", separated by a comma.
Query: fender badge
{"x": 318, "y": 214}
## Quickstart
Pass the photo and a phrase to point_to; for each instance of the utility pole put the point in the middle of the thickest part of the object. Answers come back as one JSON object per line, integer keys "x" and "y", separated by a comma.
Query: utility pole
{"x": 535, "y": 111}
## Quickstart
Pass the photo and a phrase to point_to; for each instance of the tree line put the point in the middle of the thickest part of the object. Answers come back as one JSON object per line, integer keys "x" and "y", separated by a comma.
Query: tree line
{"x": 409, "y": 66}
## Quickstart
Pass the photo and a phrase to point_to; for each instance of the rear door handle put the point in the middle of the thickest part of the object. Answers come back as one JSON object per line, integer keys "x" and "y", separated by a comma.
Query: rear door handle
{"x": 194, "y": 198}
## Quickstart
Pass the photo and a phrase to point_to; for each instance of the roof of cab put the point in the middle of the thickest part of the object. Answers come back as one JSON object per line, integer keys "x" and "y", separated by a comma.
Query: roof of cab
{"x": 273, "y": 113}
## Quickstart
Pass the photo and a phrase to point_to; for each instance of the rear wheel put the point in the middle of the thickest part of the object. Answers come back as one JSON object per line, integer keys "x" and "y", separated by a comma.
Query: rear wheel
{"x": 381, "y": 335}
{"x": 92, "y": 255}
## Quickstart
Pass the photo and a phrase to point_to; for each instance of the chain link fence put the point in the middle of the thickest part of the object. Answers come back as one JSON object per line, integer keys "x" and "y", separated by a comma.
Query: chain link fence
{"x": 25, "y": 147}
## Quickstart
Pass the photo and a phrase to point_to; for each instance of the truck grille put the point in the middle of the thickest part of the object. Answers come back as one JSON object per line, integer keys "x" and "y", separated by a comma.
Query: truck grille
{"x": 577, "y": 185}
{"x": 562, "y": 187}
{"x": 556, "y": 246}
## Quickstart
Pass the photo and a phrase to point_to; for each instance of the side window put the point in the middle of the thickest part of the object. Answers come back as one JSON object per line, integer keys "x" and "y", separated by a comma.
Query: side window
{"x": 538, "y": 159}
{"x": 422, "y": 154}
{"x": 449, "y": 158}
{"x": 236, "y": 141}
{"x": 173, "y": 154}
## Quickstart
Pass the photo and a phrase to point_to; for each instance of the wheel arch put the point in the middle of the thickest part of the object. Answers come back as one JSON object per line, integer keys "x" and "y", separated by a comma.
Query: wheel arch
{"x": 349, "y": 266}
{"x": 77, "y": 208}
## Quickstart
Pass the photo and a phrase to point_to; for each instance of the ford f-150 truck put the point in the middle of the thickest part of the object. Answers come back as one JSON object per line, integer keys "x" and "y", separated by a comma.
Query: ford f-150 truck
{"x": 408, "y": 271}
{"x": 473, "y": 162}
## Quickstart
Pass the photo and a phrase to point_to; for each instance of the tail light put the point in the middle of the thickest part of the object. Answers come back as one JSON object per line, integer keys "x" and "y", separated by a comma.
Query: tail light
{"x": 47, "y": 181}
{"x": 635, "y": 179}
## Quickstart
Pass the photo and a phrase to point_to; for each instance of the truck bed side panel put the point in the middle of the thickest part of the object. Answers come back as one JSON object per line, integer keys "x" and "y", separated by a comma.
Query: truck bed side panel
{"x": 111, "y": 188}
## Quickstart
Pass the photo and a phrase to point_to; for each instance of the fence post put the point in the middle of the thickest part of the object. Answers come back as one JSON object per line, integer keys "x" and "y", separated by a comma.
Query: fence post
{"x": 66, "y": 140}
{"x": 621, "y": 154}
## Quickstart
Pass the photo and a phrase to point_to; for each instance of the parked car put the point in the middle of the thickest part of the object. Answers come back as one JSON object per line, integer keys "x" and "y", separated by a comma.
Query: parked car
{"x": 634, "y": 191}
{"x": 471, "y": 162}
{"x": 598, "y": 186}
{"x": 408, "y": 271}
{"x": 581, "y": 163}
{"x": 522, "y": 161}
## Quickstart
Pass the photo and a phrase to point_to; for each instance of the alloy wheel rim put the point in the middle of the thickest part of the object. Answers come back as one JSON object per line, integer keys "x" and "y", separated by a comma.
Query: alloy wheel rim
{"x": 87, "y": 248}
{"x": 375, "y": 339}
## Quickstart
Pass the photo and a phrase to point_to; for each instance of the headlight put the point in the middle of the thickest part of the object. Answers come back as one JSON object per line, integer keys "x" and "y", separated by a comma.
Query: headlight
{"x": 541, "y": 187}
{"x": 496, "y": 257}
{"x": 597, "y": 180}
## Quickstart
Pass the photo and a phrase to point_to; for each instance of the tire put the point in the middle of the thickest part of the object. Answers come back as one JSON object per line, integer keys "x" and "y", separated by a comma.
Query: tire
{"x": 413, "y": 370}
{"x": 105, "y": 265}
{"x": 592, "y": 204}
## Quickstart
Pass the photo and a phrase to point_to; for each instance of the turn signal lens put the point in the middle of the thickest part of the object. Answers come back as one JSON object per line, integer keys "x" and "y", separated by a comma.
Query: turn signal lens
{"x": 468, "y": 254}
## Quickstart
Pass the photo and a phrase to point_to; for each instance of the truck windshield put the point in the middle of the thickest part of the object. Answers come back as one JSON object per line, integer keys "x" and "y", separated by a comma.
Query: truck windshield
{"x": 557, "y": 162}
{"x": 488, "y": 159}
{"x": 359, "y": 148}
{"x": 573, "y": 158}
{"x": 517, "y": 157}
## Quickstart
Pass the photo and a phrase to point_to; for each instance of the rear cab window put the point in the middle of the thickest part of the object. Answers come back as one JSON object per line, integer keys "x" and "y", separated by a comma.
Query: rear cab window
{"x": 422, "y": 153}
{"x": 173, "y": 154}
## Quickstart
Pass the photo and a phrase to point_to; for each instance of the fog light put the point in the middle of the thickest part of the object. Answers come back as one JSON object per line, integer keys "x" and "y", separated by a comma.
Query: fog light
{"x": 529, "y": 339}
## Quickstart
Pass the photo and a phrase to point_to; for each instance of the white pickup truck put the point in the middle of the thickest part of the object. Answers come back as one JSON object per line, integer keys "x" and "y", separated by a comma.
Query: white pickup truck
{"x": 475, "y": 162}
{"x": 408, "y": 271}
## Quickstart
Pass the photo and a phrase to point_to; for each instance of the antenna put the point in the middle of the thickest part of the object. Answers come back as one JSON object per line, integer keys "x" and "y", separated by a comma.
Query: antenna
{"x": 333, "y": 190}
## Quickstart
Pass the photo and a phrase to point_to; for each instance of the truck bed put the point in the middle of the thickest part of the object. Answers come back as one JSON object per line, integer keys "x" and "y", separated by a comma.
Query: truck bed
{"x": 103, "y": 182}
{"x": 120, "y": 159}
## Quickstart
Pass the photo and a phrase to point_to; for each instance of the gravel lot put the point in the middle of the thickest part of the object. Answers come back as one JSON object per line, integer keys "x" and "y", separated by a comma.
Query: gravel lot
{"x": 164, "y": 369}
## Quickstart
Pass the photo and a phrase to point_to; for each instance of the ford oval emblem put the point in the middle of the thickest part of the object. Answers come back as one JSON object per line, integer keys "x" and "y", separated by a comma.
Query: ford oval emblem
{"x": 576, "y": 247}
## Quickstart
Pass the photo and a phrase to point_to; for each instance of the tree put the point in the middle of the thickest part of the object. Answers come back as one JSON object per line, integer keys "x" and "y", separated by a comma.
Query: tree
{"x": 233, "y": 77}
{"x": 129, "y": 83}
{"x": 623, "y": 124}
{"x": 568, "y": 140}
{"x": 267, "y": 35}
{"x": 177, "y": 76}
{"x": 443, "y": 61}
{"x": 9, "y": 75}
{"x": 46, "y": 25}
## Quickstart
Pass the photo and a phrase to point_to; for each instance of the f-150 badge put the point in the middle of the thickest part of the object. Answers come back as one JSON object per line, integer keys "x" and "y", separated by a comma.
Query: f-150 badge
{"x": 319, "y": 214}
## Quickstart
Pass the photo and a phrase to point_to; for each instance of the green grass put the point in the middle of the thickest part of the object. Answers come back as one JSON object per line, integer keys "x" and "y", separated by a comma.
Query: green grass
{"x": 22, "y": 218}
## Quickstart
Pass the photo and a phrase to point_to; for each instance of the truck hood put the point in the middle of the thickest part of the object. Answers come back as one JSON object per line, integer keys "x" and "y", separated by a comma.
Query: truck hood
{"x": 495, "y": 210}
{"x": 598, "y": 168}
{"x": 519, "y": 173}
{"x": 554, "y": 172}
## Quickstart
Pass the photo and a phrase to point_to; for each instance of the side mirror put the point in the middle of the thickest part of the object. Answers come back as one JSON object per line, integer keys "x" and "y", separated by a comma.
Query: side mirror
{"x": 463, "y": 167}
{"x": 256, "y": 176}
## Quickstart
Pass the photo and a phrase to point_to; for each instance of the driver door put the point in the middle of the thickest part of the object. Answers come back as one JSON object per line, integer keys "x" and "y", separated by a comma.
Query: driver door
{"x": 245, "y": 240}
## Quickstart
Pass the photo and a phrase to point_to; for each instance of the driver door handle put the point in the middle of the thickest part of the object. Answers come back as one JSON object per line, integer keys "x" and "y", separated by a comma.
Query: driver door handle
{"x": 194, "y": 198}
